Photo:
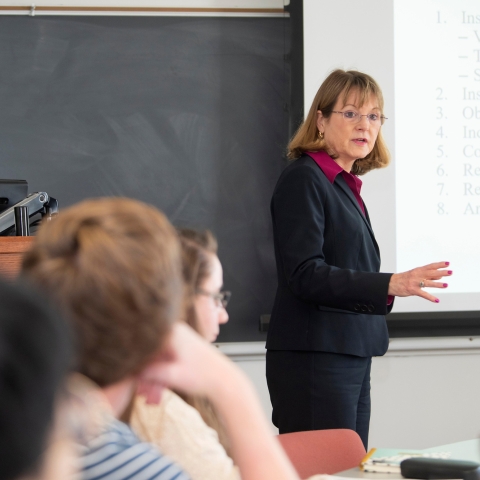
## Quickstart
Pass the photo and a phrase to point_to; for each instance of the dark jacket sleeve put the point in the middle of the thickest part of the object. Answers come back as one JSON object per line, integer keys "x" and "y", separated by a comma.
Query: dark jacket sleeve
{"x": 325, "y": 251}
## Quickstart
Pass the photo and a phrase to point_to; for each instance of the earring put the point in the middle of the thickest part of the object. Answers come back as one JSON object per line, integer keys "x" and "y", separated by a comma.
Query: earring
{"x": 320, "y": 135}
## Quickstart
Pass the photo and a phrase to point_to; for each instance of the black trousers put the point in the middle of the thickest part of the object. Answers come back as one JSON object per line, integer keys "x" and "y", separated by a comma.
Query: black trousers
{"x": 319, "y": 391}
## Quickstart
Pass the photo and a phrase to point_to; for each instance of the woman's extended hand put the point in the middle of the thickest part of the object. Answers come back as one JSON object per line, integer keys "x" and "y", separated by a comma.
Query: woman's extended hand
{"x": 412, "y": 282}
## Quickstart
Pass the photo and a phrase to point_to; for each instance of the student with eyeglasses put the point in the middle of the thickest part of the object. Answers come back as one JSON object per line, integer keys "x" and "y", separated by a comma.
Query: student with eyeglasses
{"x": 186, "y": 427}
{"x": 328, "y": 318}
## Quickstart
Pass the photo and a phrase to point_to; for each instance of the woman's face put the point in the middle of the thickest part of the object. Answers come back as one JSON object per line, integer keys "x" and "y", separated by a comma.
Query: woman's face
{"x": 210, "y": 312}
{"x": 348, "y": 140}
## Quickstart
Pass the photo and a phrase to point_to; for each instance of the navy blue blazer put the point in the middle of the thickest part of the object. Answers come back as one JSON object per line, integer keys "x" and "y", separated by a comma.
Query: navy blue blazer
{"x": 330, "y": 296}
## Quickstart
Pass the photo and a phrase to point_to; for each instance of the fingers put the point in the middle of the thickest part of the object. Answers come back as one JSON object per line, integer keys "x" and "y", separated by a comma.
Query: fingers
{"x": 155, "y": 375}
{"x": 428, "y": 296}
{"x": 436, "y": 274}
{"x": 430, "y": 284}
{"x": 191, "y": 365}
{"x": 413, "y": 282}
{"x": 430, "y": 274}
{"x": 436, "y": 265}
{"x": 151, "y": 391}
{"x": 433, "y": 272}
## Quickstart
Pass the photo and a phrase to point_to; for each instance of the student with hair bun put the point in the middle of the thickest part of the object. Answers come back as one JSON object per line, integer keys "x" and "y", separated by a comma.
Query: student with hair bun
{"x": 114, "y": 267}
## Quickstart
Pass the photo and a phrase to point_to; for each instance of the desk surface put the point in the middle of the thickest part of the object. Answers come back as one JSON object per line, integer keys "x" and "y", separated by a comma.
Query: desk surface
{"x": 466, "y": 450}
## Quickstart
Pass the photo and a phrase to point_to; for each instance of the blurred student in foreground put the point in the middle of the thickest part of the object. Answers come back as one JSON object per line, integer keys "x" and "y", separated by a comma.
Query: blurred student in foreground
{"x": 114, "y": 268}
{"x": 34, "y": 359}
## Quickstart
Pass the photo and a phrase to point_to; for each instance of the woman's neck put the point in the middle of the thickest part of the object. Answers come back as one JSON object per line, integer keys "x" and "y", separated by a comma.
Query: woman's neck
{"x": 347, "y": 165}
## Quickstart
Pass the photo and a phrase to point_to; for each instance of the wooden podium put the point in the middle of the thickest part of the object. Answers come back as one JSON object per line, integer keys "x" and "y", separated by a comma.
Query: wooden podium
{"x": 11, "y": 252}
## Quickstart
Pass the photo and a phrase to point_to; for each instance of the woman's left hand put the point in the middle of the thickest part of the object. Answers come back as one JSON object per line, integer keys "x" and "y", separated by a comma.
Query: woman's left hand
{"x": 411, "y": 283}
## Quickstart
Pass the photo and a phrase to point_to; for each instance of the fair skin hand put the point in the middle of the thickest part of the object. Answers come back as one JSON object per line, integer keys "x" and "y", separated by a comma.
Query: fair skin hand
{"x": 408, "y": 283}
{"x": 191, "y": 365}
{"x": 210, "y": 312}
{"x": 350, "y": 141}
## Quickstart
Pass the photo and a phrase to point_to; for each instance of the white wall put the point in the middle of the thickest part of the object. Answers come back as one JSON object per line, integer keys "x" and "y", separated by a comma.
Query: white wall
{"x": 424, "y": 391}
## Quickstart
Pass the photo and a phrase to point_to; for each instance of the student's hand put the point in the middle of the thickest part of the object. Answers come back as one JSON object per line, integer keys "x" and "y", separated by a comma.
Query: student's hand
{"x": 412, "y": 282}
{"x": 187, "y": 363}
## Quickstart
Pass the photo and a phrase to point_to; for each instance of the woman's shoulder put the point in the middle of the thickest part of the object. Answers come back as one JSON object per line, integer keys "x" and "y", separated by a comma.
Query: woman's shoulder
{"x": 302, "y": 166}
{"x": 299, "y": 174}
{"x": 304, "y": 160}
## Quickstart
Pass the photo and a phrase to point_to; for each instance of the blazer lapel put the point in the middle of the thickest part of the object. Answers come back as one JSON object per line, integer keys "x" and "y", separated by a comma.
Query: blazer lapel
{"x": 340, "y": 181}
{"x": 370, "y": 225}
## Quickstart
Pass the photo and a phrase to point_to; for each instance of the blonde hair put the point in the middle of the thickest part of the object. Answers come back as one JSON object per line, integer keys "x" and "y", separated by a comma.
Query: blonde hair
{"x": 339, "y": 84}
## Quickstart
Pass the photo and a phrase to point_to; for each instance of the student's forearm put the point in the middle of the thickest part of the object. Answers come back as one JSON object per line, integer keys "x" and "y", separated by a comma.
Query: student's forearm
{"x": 254, "y": 448}
{"x": 197, "y": 368}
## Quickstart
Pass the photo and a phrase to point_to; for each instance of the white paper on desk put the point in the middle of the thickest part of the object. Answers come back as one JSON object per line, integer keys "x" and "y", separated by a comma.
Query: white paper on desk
{"x": 336, "y": 477}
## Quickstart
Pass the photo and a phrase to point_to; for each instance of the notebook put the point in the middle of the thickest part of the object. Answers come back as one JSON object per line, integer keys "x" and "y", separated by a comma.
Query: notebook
{"x": 387, "y": 460}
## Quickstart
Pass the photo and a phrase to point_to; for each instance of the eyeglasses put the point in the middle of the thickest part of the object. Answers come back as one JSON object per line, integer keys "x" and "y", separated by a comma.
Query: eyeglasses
{"x": 354, "y": 117}
{"x": 221, "y": 298}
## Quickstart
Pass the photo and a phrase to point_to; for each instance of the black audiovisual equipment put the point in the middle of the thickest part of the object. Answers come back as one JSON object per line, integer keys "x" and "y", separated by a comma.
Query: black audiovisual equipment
{"x": 21, "y": 213}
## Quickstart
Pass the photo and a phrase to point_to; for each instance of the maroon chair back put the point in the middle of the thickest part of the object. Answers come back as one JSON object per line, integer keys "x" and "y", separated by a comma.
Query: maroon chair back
{"x": 323, "y": 451}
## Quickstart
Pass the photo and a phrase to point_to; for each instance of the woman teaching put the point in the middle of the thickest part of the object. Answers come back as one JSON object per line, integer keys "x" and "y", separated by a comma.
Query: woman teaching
{"x": 328, "y": 318}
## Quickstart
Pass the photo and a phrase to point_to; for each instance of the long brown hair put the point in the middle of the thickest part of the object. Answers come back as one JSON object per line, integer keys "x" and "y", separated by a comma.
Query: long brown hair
{"x": 198, "y": 246}
{"x": 339, "y": 84}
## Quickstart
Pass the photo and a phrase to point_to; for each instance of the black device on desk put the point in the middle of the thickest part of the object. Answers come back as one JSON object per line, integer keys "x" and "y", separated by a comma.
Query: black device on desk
{"x": 20, "y": 211}
{"x": 12, "y": 192}
{"x": 436, "y": 468}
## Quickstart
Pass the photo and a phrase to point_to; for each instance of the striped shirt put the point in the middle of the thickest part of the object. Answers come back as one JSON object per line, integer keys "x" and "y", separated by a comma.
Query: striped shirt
{"x": 118, "y": 454}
